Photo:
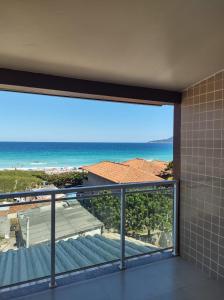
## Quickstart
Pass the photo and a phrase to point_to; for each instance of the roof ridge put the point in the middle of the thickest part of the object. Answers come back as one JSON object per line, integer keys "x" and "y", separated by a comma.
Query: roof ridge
{"x": 122, "y": 164}
{"x": 136, "y": 158}
{"x": 115, "y": 163}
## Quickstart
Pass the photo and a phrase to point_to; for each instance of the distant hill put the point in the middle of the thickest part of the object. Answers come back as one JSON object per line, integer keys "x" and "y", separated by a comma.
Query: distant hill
{"x": 164, "y": 141}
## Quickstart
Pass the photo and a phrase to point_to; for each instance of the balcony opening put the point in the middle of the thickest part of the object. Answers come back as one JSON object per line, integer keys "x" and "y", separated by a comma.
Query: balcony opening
{"x": 84, "y": 184}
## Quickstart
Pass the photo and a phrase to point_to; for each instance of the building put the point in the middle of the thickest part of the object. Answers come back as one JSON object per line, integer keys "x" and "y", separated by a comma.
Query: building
{"x": 48, "y": 187}
{"x": 72, "y": 221}
{"x": 135, "y": 170}
{"x": 4, "y": 227}
{"x": 9, "y": 214}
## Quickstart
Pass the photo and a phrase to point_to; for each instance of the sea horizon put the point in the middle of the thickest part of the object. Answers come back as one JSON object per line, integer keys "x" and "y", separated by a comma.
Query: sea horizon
{"x": 79, "y": 142}
{"x": 37, "y": 155}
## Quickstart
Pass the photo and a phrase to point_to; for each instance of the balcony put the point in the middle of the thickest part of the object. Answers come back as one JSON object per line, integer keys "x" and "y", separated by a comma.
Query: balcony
{"x": 92, "y": 258}
{"x": 164, "y": 280}
{"x": 67, "y": 235}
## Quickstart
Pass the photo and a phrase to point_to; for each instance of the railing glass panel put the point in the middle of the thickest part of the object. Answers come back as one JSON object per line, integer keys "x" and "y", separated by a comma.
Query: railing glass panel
{"x": 24, "y": 241}
{"x": 148, "y": 220}
{"x": 87, "y": 230}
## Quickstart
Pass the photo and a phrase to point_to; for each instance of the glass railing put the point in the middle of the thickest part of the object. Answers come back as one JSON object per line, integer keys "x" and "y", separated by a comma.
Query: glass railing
{"x": 24, "y": 241}
{"x": 45, "y": 234}
{"x": 149, "y": 220}
{"x": 84, "y": 227}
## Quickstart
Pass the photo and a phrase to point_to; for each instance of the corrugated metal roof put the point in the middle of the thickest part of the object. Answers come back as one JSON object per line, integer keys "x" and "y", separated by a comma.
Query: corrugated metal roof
{"x": 70, "y": 220}
{"x": 34, "y": 262}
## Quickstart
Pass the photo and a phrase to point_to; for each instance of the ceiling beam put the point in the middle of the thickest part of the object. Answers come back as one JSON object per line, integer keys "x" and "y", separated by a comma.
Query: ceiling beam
{"x": 14, "y": 80}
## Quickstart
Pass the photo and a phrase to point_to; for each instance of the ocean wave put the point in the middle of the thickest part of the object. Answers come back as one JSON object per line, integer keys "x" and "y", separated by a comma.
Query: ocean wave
{"x": 38, "y": 163}
{"x": 56, "y": 168}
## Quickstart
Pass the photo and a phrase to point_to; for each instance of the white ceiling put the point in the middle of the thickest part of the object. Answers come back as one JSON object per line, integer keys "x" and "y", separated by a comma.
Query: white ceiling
{"x": 160, "y": 43}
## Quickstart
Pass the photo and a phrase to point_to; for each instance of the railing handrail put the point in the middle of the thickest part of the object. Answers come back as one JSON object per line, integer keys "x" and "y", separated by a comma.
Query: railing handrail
{"x": 80, "y": 189}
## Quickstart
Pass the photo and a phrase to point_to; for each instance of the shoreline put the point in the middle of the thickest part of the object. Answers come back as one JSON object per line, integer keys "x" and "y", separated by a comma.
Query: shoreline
{"x": 57, "y": 169}
{"x": 45, "y": 169}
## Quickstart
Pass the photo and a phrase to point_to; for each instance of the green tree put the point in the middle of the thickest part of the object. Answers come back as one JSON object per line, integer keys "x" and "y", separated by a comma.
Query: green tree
{"x": 64, "y": 179}
{"x": 148, "y": 211}
{"x": 145, "y": 212}
{"x": 106, "y": 207}
{"x": 167, "y": 173}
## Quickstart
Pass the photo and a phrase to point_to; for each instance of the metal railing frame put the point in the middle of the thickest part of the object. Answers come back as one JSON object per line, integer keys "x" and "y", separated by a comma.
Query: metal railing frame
{"x": 123, "y": 188}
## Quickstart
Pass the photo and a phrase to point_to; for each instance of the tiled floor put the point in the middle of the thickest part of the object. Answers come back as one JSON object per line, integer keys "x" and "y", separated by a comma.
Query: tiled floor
{"x": 171, "y": 279}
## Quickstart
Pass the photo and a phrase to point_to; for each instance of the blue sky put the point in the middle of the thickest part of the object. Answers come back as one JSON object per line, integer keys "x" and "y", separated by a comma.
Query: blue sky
{"x": 28, "y": 117}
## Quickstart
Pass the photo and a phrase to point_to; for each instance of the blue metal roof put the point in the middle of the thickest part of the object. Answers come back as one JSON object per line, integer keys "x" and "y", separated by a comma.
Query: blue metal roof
{"x": 34, "y": 262}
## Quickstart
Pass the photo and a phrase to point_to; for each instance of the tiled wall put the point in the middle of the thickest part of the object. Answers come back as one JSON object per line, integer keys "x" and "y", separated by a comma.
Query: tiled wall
{"x": 202, "y": 175}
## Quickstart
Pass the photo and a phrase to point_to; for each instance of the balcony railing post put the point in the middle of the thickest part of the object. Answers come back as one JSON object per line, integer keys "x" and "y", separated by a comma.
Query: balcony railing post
{"x": 52, "y": 282}
{"x": 122, "y": 229}
{"x": 175, "y": 221}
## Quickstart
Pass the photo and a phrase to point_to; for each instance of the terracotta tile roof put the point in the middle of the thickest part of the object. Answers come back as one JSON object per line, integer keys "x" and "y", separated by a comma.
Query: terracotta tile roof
{"x": 154, "y": 167}
{"x": 15, "y": 209}
{"x": 24, "y": 207}
{"x": 18, "y": 208}
{"x": 121, "y": 172}
{"x": 4, "y": 213}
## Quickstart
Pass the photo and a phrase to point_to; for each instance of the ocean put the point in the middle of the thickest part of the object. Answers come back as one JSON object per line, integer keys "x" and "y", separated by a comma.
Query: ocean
{"x": 41, "y": 155}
